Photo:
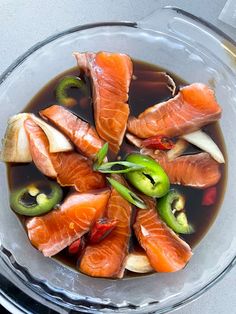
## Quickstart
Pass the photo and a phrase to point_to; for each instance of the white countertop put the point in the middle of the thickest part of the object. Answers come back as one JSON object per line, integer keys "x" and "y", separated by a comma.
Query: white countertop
{"x": 25, "y": 22}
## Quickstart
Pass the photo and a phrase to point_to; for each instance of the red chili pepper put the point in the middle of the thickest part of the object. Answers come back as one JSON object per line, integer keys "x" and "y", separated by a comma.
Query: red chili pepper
{"x": 158, "y": 142}
{"x": 74, "y": 247}
{"x": 101, "y": 229}
{"x": 77, "y": 247}
{"x": 209, "y": 196}
{"x": 84, "y": 102}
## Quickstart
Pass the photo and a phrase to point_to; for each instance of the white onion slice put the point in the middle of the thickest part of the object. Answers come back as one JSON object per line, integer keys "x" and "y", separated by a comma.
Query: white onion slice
{"x": 134, "y": 140}
{"x": 206, "y": 143}
{"x": 138, "y": 263}
{"x": 179, "y": 148}
{"x": 15, "y": 144}
{"x": 57, "y": 141}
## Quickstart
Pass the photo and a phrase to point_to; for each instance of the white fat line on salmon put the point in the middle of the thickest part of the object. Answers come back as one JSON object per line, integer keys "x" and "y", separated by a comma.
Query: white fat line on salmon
{"x": 144, "y": 231}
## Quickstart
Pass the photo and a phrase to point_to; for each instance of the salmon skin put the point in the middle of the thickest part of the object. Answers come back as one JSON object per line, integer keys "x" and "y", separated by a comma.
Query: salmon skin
{"x": 107, "y": 258}
{"x": 69, "y": 168}
{"x": 198, "y": 170}
{"x": 111, "y": 74}
{"x": 193, "y": 107}
{"x": 57, "y": 229}
{"x": 79, "y": 132}
{"x": 165, "y": 250}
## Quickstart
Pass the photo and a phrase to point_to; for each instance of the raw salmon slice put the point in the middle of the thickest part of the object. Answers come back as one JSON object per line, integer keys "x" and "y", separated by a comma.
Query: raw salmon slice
{"x": 70, "y": 168}
{"x": 111, "y": 75}
{"x": 56, "y": 230}
{"x": 199, "y": 170}
{"x": 76, "y": 170}
{"x": 193, "y": 107}
{"x": 165, "y": 250}
{"x": 107, "y": 258}
{"x": 39, "y": 148}
{"x": 79, "y": 132}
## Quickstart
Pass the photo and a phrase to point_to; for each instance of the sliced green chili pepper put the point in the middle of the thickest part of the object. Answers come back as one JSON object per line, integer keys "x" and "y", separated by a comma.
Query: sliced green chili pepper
{"x": 127, "y": 194}
{"x": 63, "y": 86}
{"x": 171, "y": 210}
{"x": 152, "y": 180}
{"x": 36, "y": 199}
{"x": 118, "y": 167}
{"x": 100, "y": 156}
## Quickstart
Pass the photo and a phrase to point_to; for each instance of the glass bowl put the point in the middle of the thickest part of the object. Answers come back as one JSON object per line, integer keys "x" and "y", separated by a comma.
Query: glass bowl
{"x": 183, "y": 44}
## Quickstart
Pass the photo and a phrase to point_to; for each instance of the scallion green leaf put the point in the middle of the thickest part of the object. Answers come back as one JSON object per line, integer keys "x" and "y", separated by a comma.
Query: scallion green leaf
{"x": 124, "y": 166}
{"x": 100, "y": 156}
{"x": 127, "y": 194}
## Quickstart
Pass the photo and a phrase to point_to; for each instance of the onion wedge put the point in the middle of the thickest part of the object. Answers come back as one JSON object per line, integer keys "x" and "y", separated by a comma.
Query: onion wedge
{"x": 134, "y": 140}
{"x": 15, "y": 145}
{"x": 57, "y": 141}
{"x": 138, "y": 263}
{"x": 179, "y": 148}
{"x": 206, "y": 143}
{"x": 150, "y": 152}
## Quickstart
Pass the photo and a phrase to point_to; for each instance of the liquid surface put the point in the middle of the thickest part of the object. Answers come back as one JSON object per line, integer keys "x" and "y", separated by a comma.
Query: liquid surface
{"x": 145, "y": 90}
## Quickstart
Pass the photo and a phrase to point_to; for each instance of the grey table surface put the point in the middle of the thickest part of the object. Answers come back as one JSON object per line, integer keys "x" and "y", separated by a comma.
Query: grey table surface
{"x": 25, "y": 22}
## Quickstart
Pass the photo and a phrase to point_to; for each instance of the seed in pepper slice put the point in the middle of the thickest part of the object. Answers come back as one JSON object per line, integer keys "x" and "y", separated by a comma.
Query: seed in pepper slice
{"x": 171, "y": 210}
{"x": 36, "y": 199}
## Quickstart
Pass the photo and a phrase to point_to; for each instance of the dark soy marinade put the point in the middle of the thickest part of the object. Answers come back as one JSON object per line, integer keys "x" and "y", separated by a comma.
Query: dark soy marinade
{"x": 146, "y": 89}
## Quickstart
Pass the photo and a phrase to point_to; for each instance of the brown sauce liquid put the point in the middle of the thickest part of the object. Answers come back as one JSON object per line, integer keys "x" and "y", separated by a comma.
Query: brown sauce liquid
{"x": 145, "y": 90}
